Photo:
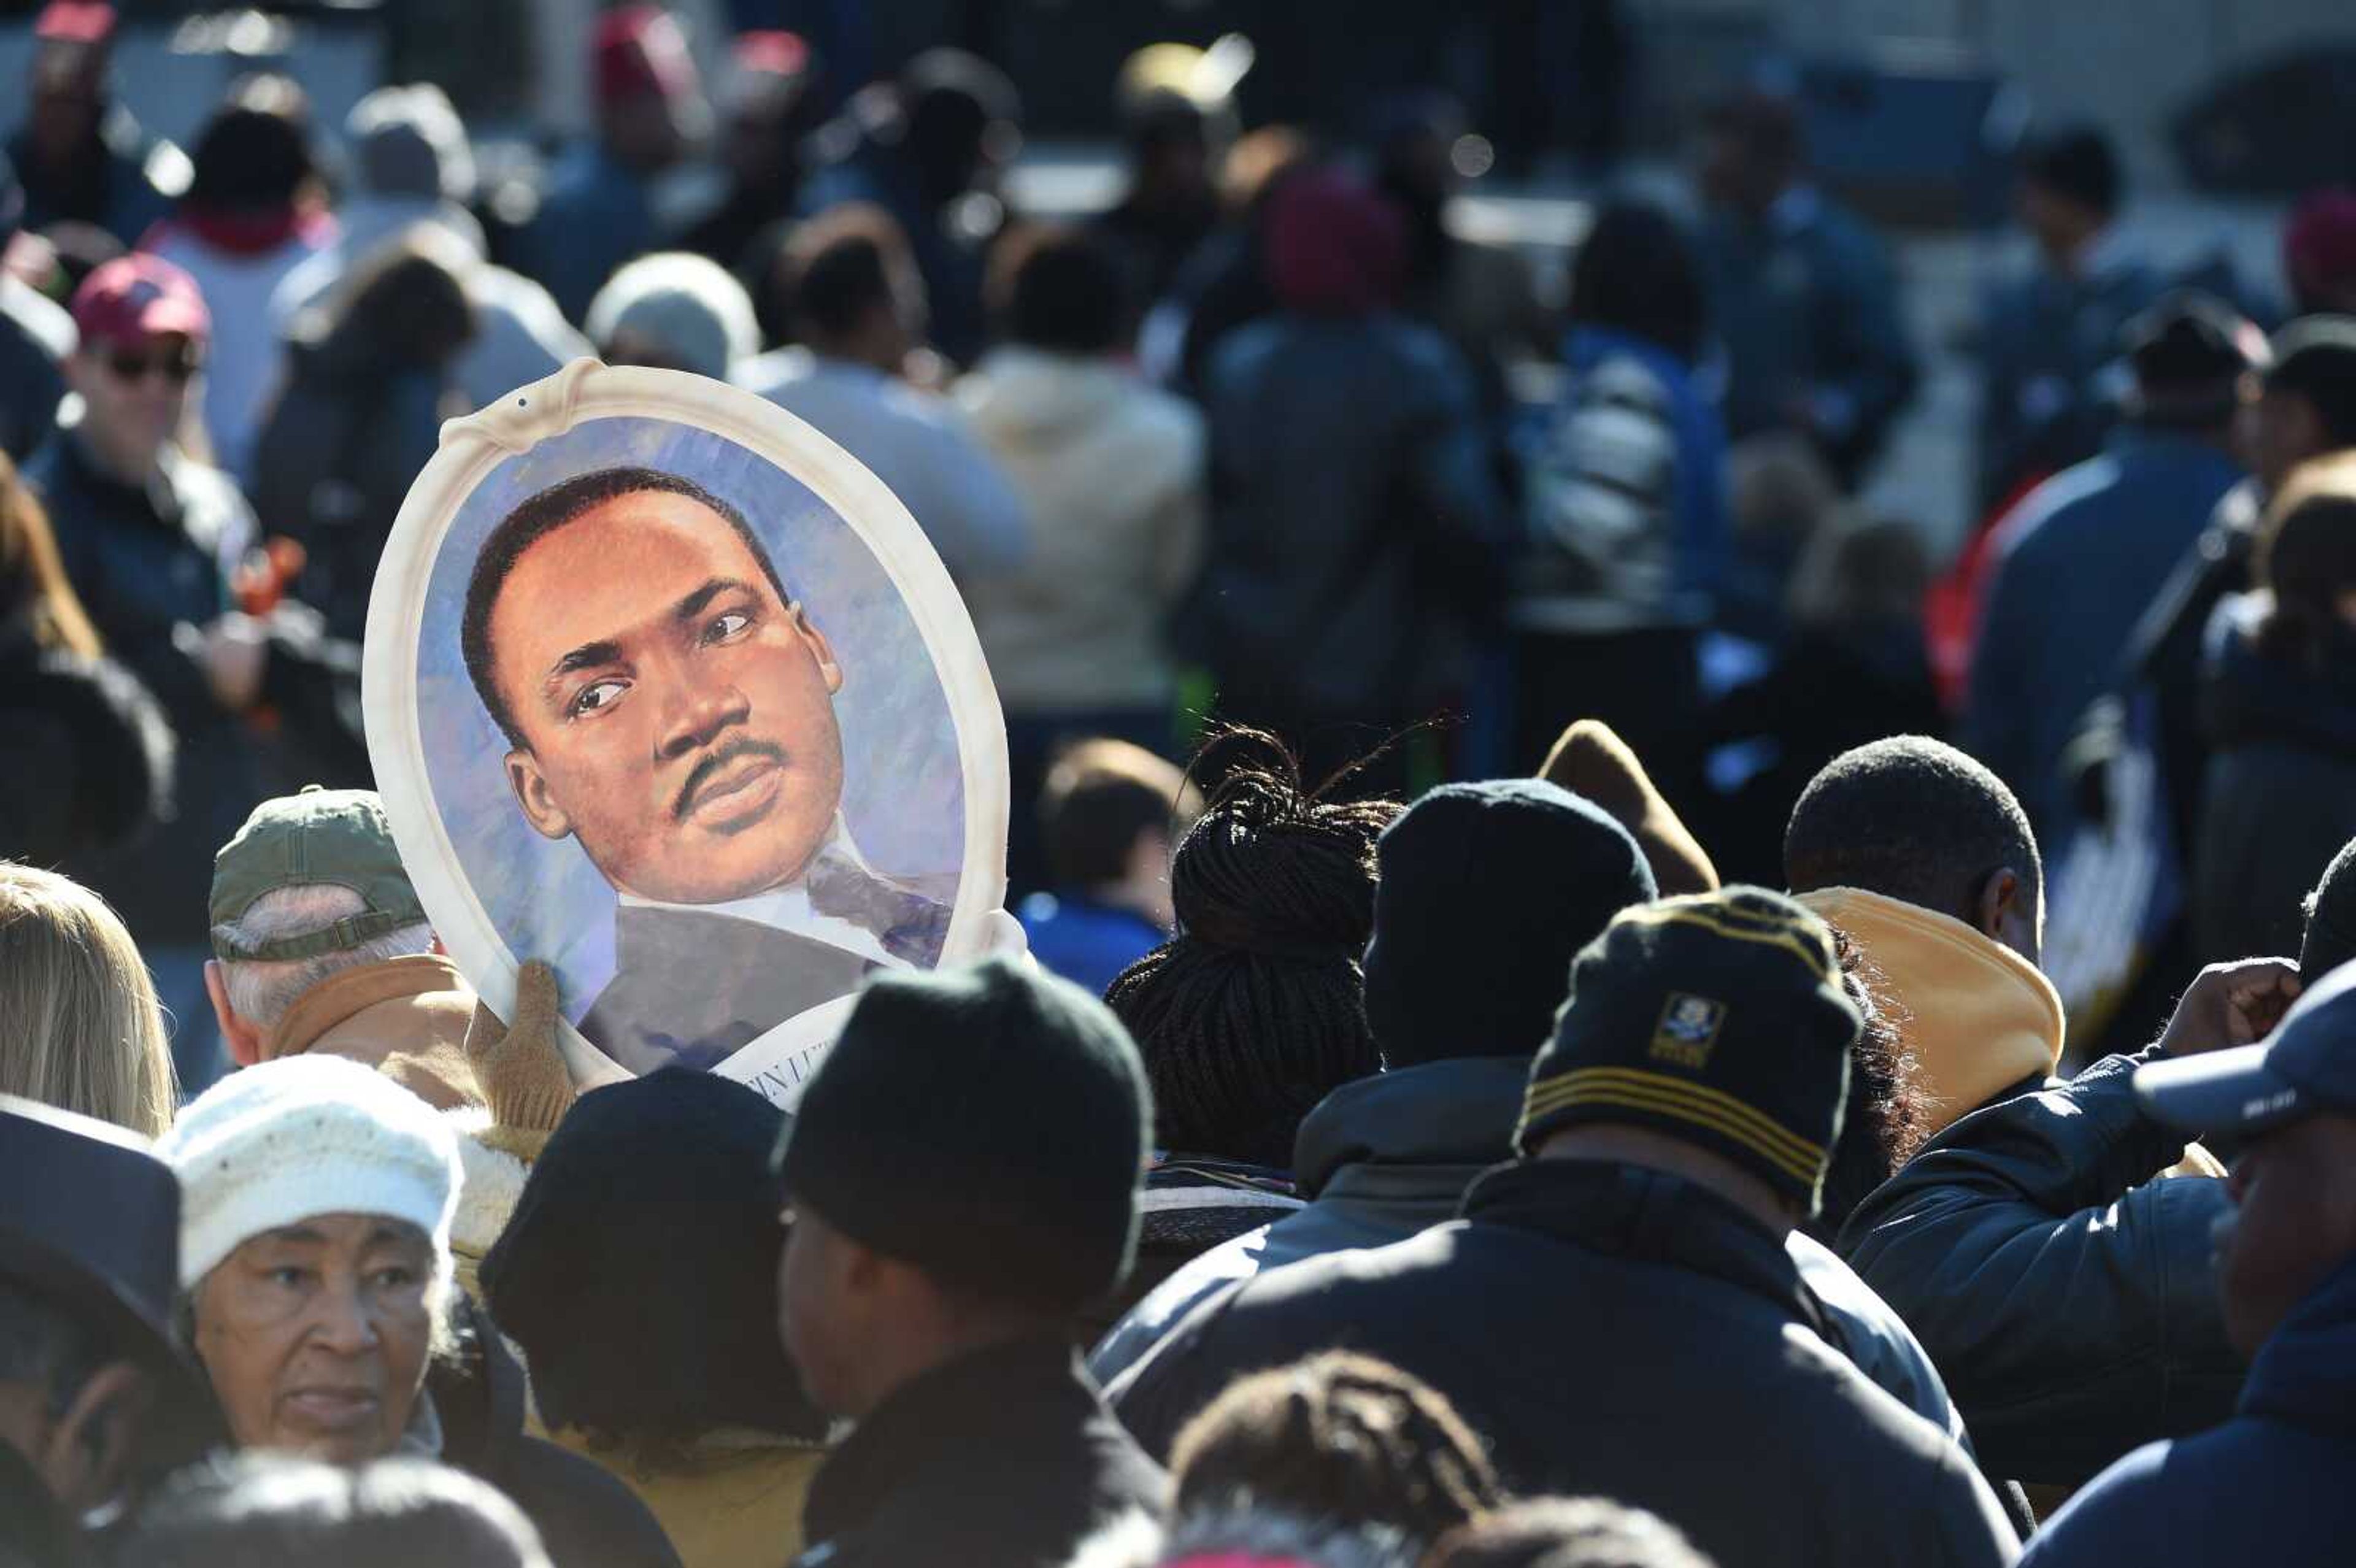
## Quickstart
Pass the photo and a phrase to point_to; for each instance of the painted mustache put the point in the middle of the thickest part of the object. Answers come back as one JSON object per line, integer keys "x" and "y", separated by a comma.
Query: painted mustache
{"x": 701, "y": 774}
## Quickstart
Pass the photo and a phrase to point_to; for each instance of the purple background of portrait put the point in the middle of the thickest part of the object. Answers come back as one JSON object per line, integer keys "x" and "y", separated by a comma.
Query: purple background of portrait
{"x": 903, "y": 786}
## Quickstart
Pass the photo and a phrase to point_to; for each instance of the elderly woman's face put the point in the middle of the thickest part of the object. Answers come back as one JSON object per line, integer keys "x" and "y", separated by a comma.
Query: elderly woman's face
{"x": 315, "y": 1336}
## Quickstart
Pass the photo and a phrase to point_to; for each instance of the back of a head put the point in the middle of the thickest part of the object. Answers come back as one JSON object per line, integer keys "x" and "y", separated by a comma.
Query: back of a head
{"x": 2331, "y": 939}
{"x": 2191, "y": 353}
{"x": 1064, "y": 290}
{"x": 666, "y": 1179}
{"x": 843, "y": 265}
{"x": 2078, "y": 164}
{"x": 1338, "y": 1437}
{"x": 955, "y": 105}
{"x": 1484, "y": 892}
{"x": 261, "y": 1510}
{"x": 2315, "y": 359}
{"x": 1255, "y": 1011}
{"x": 405, "y": 304}
{"x": 1636, "y": 274}
{"x": 410, "y": 142}
{"x": 1101, "y": 796}
{"x": 79, "y": 1025}
{"x": 1333, "y": 246}
{"x": 677, "y": 310}
{"x": 1909, "y": 818}
{"x": 1860, "y": 572}
{"x": 1567, "y": 1532}
{"x": 254, "y": 154}
{"x": 2306, "y": 562}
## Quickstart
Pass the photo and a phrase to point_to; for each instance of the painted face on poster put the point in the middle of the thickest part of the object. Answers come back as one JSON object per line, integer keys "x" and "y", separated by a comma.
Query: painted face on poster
{"x": 663, "y": 687}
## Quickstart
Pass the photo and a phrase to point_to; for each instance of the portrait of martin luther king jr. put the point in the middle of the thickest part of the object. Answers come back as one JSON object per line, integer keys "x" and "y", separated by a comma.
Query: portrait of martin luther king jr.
{"x": 669, "y": 705}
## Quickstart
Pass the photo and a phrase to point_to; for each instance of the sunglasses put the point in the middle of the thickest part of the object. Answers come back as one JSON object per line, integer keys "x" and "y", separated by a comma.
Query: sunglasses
{"x": 174, "y": 364}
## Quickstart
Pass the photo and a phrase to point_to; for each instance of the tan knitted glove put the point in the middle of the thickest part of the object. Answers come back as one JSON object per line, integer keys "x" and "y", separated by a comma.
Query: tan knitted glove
{"x": 519, "y": 1067}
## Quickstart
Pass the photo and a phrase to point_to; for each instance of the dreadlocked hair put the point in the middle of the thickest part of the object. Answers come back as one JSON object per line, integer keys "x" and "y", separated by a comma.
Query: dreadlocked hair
{"x": 1883, "y": 1122}
{"x": 1255, "y": 1009}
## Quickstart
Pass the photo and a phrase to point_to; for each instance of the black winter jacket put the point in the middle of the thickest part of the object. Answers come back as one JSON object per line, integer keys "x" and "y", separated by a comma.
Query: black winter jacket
{"x": 1618, "y": 1332}
{"x": 585, "y": 1517}
{"x": 144, "y": 561}
{"x": 2064, "y": 1293}
{"x": 1004, "y": 1458}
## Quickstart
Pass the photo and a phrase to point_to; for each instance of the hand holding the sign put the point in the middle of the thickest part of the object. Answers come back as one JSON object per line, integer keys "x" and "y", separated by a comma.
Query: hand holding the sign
{"x": 518, "y": 1066}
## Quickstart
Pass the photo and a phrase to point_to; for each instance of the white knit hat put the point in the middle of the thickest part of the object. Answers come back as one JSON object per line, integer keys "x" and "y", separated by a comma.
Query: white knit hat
{"x": 285, "y": 1141}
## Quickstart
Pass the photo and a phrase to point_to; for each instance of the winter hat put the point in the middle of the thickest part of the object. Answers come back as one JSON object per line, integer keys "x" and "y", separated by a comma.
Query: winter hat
{"x": 665, "y": 1180}
{"x": 2319, "y": 248}
{"x": 1718, "y": 1019}
{"x": 986, "y": 1124}
{"x": 1592, "y": 760}
{"x": 687, "y": 305}
{"x": 409, "y": 141}
{"x": 1334, "y": 246}
{"x": 1483, "y": 892}
{"x": 280, "y": 1143}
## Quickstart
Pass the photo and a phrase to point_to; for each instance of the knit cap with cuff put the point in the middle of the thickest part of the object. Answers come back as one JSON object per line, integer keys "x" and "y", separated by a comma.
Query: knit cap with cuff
{"x": 989, "y": 1125}
{"x": 1481, "y": 893}
{"x": 286, "y": 1141}
{"x": 1718, "y": 1019}
{"x": 1590, "y": 760}
{"x": 337, "y": 838}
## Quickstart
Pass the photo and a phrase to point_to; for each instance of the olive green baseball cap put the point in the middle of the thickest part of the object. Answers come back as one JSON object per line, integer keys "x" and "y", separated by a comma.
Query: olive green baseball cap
{"x": 337, "y": 837}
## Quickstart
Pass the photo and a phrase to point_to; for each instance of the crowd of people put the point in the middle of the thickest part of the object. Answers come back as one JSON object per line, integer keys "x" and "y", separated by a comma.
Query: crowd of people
{"x": 1838, "y": 1058}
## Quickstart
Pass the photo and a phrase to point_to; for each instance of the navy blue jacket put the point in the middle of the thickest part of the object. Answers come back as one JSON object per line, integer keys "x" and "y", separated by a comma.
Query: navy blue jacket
{"x": 2078, "y": 563}
{"x": 2269, "y": 1486}
{"x": 1807, "y": 306}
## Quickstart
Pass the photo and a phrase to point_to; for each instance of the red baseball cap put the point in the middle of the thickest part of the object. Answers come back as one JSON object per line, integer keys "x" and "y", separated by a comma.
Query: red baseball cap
{"x": 639, "y": 52}
{"x": 139, "y": 296}
{"x": 75, "y": 22}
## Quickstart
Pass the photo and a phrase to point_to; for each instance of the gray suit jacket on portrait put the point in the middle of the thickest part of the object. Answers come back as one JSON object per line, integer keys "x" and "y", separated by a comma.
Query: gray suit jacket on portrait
{"x": 692, "y": 988}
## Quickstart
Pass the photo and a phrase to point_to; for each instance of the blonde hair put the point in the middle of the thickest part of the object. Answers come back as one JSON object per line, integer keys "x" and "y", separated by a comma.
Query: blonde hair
{"x": 79, "y": 1025}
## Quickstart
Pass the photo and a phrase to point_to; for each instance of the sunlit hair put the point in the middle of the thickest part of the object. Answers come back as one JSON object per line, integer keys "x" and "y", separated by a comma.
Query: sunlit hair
{"x": 79, "y": 1025}
{"x": 34, "y": 588}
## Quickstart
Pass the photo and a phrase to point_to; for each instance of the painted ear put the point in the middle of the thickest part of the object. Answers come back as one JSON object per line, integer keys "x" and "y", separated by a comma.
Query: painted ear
{"x": 820, "y": 647}
{"x": 531, "y": 792}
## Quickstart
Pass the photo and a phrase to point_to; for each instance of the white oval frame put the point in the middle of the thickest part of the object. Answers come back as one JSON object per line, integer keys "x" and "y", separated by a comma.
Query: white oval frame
{"x": 778, "y": 1062}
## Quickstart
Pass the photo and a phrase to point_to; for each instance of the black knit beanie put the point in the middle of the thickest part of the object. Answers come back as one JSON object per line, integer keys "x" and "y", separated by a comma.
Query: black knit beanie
{"x": 986, "y": 1124}
{"x": 639, "y": 1269}
{"x": 1718, "y": 1019}
{"x": 1483, "y": 892}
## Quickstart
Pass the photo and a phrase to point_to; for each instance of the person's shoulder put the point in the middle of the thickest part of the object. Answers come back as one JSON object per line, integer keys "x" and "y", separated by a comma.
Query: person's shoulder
{"x": 584, "y": 1514}
{"x": 45, "y": 322}
{"x": 2136, "y": 1503}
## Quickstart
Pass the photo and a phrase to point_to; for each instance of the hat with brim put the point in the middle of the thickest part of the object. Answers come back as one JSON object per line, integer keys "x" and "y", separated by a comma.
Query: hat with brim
{"x": 94, "y": 1228}
{"x": 2308, "y": 1064}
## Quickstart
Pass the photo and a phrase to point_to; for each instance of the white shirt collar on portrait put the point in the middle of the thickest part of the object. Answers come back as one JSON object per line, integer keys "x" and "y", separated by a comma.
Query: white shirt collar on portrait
{"x": 788, "y": 907}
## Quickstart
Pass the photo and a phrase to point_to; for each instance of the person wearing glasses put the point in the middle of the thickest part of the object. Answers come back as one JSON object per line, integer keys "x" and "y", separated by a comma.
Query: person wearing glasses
{"x": 154, "y": 543}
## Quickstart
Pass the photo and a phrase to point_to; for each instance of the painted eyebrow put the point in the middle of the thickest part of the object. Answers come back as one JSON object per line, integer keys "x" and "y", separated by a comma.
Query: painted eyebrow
{"x": 692, "y": 606}
{"x": 589, "y": 655}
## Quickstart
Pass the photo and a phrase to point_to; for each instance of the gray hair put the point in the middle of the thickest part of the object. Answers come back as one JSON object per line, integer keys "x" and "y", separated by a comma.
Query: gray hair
{"x": 261, "y": 991}
{"x": 272, "y": 1508}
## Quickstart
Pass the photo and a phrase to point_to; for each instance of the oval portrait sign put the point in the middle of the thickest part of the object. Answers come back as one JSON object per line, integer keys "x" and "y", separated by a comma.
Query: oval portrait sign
{"x": 664, "y": 687}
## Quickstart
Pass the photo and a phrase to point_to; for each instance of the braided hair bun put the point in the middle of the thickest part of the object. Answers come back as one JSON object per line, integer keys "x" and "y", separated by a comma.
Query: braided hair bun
{"x": 1255, "y": 1010}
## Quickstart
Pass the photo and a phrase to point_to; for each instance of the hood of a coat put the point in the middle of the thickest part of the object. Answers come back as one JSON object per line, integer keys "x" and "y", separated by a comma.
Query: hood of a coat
{"x": 1020, "y": 396}
{"x": 2306, "y": 1372}
{"x": 1976, "y": 1017}
{"x": 2249, "y": 697}
{"x": 1458, "y": 1114}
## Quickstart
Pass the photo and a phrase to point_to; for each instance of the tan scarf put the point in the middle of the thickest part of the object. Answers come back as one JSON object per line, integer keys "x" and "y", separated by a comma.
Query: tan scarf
{"x": 1976, "y": 1017}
